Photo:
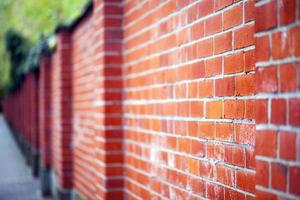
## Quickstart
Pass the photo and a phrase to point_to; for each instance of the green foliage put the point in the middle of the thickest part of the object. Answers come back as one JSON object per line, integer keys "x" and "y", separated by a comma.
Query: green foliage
{"x": 32, "y": 19}
{"x": 17, "y": 46}
{"x": 24, "y": 58}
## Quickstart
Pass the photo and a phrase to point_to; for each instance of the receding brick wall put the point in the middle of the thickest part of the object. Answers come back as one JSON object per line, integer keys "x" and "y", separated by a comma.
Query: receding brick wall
{"x": 21, "y": 111}
{"x": 173, "y": 99}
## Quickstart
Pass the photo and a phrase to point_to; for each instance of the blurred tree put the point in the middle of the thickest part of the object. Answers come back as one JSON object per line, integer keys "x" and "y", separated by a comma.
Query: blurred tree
{"x": 32, "y": 19}
{"x": 17, "y": 46}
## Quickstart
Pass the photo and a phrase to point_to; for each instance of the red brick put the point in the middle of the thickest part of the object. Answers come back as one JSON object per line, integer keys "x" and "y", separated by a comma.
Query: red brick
{"x": 261, "y": 111}
{"x": 278, "y": 111}
{"x": 262, "y": 173}
{"x": 184, "y": 145}
{"x": 234, "y": 63}
{"x": 196, "y": 109}
{"x": 215, "y": 191}
{"x": 214, "y": 109}
{"x": 225, "y": 175}
{"x": 246, "y": 181}
{"x": 287, "y": 145}
{"x": 225, "y": 87}
{"x": 280, "y": 45}
{"x": 294, "y": 180}
{"x": 250, "y": 158}
{"x": 223, "y": 42}
{"x": 265, "y": 16}
{"x": 266, "y": 143}
{"x": 234, "y": 195}
{"x": 294, "y": 111}
{"x": 198, "y": 186}
{"x": 233, "y": 17}
{"x": 198, "y": 148}
{"x": 193, "y": 128}
{"x": 245, "y": 85}
{"x": 244, "y": 36}
{"x": 261, "y": 195}
{"x": 266, "y": 80}
{"x": 298, "y": 74}
{"x": 196, "y": 70}
{"x": 262, "y": 48}
{"x": 293, "y": 41}
{"x": 288, "y": 79}
{"x": 213, "y": 24}
{"x": 234, "y": 109}
{"x": 213, "y": 67}
{"x": 287, "y": 11}
{"x": 193, "y": 90}
{"x": 205, "y": 8}
{"x": 205, "y": 88}
{"x": 224, "y": 131}
{"x": 279, "y": 175}
{"x": 250, "y": 107}
{"x": 220, "y": 4}
{"x": 245, "y": 134}
{"x": 205, "y": 48}
{"x": 192, "y": 14}
{"x": 197, "y": 31}
{"x": 249, "y": 10}
{"x": 249, "y": 60}
{"x": 193, "y": 166}
{"x": 206, "y": 130}
{"x": 235, "y": 156}
{"x": 206, "y": 169}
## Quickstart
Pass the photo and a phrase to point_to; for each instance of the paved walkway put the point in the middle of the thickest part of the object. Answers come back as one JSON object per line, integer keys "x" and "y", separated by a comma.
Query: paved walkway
{"x": 16, "y": 182}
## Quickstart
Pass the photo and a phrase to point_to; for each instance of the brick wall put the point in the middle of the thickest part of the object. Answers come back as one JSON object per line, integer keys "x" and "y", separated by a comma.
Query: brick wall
{"x": 45, "y": 110}
{"x": 61, "y": 107}
{"x": 278, "y": 102}
{"x": 172, "y": 99}
{"x": 45, "y": 122}
{"x": 97, "y": 103}
{"x": 189, "y": 104}
{"x": 84, "y": 96}
{"x": 21, "y": 111}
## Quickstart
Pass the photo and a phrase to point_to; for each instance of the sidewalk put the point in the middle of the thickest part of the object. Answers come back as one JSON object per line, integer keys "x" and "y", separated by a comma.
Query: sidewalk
{"x": 16, "y": 182}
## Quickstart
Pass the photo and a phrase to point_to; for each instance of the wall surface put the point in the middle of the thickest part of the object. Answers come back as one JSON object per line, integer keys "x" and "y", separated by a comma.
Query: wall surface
{"x": 45, "y": 110}
{"x": 45, "y": 122}
{"x": 61, "y": 105}
{"x": 84, "y": 96}
{"x": 175, "y": 99}
{"x": 278, "y": 102}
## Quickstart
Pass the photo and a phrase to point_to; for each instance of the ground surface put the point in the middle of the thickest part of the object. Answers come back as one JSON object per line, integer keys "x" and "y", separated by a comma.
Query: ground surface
{"x": 16, "y": 181}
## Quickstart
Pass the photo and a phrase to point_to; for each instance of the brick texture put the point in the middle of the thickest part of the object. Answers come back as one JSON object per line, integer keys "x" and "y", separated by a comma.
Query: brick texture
{"x": 277, "y": 121}
{"x": 45, "y": 111}
{"x": 61, "y": 106}
{"x": 172, "y": 99}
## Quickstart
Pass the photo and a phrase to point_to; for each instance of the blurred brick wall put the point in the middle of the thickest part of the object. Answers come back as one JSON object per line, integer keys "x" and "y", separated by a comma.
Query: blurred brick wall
{"x": 277, "y": 33}
{"x": 21, "y": 111}
{"x": 84, "y": 96}
{"x": 45, "y": 110}
{"x": 174, "y": 99}
{"x": 61, "y": 107}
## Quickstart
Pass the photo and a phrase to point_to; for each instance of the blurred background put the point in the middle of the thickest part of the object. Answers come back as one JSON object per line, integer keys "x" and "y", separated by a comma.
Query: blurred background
{"x": 25, "y": 25}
